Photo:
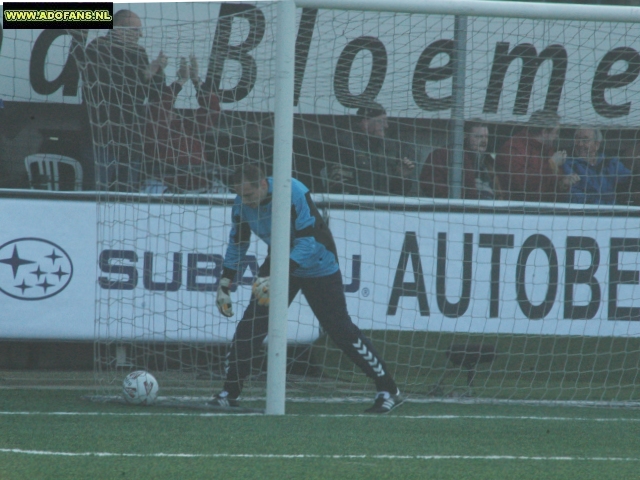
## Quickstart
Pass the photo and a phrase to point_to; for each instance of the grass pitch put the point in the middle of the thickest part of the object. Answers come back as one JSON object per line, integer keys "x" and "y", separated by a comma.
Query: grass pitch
{"x": 53, "y": 433}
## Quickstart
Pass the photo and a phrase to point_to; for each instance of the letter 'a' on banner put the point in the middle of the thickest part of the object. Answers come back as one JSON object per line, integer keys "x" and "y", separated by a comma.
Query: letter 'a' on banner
{"x": 22, "y": 15}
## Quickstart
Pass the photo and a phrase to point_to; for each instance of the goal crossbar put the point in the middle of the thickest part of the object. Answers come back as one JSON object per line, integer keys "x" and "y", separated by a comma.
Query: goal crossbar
{"x": 488, "y": 8}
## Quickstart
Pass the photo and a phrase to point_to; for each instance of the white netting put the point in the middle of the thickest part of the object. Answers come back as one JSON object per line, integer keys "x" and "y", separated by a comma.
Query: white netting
{"x": 536, "y": 298}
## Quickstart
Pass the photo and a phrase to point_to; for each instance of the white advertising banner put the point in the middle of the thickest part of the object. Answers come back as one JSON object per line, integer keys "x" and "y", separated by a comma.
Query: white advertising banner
{"x": 151, "y": 271}
{"x": 586, "y": 71}
{"x": 494, "y": 273}
{"x": 47, "y": 269}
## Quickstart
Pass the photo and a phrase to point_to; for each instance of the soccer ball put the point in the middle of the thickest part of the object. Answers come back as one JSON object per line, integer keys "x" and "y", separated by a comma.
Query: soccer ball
{"x": 140, "y": 388}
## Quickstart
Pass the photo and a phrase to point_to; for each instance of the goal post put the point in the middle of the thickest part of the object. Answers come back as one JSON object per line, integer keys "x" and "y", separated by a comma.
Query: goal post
{"x": 281, "y": 222}
{"x": 486, "y": 299}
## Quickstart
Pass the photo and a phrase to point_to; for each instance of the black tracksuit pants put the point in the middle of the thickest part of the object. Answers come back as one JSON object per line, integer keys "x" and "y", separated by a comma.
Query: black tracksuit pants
{"x": 327, "y": 301}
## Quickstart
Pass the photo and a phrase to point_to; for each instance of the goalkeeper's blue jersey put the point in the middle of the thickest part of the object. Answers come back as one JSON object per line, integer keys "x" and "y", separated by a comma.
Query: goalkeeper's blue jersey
{"x": 313, "y": 250}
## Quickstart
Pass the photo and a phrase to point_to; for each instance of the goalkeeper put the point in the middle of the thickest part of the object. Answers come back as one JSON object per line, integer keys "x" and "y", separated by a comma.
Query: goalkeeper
{"x": 313, "y": 268}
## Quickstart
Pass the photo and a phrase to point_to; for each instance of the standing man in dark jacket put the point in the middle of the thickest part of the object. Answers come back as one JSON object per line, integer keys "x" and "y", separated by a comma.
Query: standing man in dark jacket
{"x": 117, "y": 78}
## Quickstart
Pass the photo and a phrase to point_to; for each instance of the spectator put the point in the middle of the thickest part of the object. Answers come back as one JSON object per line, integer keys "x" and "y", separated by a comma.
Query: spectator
{"x": 630, "y": 194}
{"x": 527, "y": 165}
{"x": 117, "y": 78}
{"x": 369, "y": 162}
{"x": 599, "y": 176}
{"x": 478, "y": 170}
{"x": 174, "y": 143}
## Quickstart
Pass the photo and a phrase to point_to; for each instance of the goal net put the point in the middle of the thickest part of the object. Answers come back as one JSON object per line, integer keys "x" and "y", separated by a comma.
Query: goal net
{"x": 479, "y": 266}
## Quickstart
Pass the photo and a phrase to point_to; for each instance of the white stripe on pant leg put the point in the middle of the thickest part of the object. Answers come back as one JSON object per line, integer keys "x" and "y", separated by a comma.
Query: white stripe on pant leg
{"x": 362, "y": 349}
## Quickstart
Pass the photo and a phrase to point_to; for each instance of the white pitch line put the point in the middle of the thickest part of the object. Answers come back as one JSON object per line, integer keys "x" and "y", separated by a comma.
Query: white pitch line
{"x": 137, "y": 414}
{"x": 367, "y": 416}
{"x": 314, "y": 456}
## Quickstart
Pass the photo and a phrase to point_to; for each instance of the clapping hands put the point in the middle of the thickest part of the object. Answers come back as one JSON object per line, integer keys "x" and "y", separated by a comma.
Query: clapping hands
{"x": 189, "y": 70}
{"x": 558, "y": 158}
{"x": 406, "y": 167}
{"x": 194, "y": 71}
{"x": 184, "y": 71}
{"x": 568, "y": 180}
{"x": 157, "y": 65}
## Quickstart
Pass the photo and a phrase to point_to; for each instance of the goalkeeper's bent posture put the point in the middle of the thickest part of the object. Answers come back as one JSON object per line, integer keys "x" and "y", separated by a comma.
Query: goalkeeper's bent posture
{"x": 313, "y": 268}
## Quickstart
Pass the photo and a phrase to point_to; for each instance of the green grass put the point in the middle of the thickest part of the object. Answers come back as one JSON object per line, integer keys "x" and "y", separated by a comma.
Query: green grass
{"x": 526, "y": 367}
{"x": 321, "y": 436}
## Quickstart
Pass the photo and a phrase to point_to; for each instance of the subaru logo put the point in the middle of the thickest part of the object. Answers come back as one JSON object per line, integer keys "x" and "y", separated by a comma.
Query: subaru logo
{"x": 33, "y": 269}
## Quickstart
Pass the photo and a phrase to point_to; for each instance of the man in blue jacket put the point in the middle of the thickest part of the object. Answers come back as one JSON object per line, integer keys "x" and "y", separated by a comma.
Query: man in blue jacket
{"x": 600, "y": 177}
{"x": 313, "y": 268}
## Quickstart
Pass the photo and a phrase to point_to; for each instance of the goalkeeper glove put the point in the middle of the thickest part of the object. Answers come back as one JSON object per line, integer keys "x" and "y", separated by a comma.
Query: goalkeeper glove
{"x": 223, "y": 300}
{"x": 261, "y": 290}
